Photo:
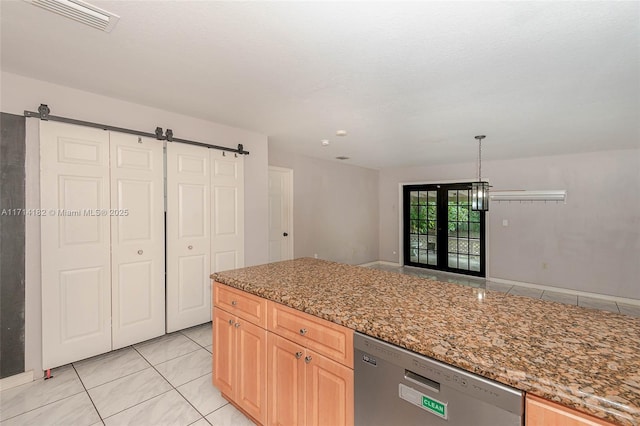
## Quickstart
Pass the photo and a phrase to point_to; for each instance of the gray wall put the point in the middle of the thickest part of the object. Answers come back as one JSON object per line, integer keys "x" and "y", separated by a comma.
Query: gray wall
{"x": 12, "y": 239}
{"x": 335, "y": 208}
{"x": 591, "y": 243}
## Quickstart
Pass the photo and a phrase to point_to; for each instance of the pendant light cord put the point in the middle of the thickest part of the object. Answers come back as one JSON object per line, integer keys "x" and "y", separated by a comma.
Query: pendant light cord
{"x": 479, "y": 160}
{"x": 479, "y": 138}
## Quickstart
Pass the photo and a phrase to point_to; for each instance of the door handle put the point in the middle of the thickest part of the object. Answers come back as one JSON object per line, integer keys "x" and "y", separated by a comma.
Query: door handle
{"x": 298, "y": 355}
{"x": 284, "y": 234}
{"x": 307, "y": 359}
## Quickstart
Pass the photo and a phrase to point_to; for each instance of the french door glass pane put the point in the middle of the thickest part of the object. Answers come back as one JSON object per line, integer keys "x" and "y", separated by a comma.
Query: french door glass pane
{"x": 458, "y": 214}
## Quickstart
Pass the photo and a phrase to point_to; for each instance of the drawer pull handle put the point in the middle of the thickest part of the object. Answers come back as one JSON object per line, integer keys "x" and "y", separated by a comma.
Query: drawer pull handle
{"x": 190, "y": 247}
{"x": 298, "y": 355}
{"x": 230, "y": 322}
{"x": 140, "y": 252}
{"x": 234, "y": 303}
{"x": 303, "y": 331}
{"x": 237, "y": 324}
{"x": 307, "y": 359}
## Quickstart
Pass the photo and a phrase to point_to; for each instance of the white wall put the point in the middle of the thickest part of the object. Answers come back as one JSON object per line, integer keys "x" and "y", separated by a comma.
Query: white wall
{"x": 19, "y": 93}
{"x": 335, "y": 208}
{"x": 591, "y": 243}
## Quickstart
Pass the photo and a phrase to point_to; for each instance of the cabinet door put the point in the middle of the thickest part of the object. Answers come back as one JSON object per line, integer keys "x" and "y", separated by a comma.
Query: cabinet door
{"x": 286, "y": 376}
{"x": 224, "y": 345}
{"x": 137, "y": 239}
{"x": 227, "y": 211}
{"x": 329, "y": 391}
{"x": 540, "y": 412}
{"x": 251, "y": 357}
{"x": 188, "y": 236}
{"x": 76, "y": 264}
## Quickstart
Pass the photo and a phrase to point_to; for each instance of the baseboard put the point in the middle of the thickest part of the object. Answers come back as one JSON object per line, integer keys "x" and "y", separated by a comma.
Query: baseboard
{"x": 379, "y": 262}
{"x": 16, "y": 380}
{"x": 623, "y": 300}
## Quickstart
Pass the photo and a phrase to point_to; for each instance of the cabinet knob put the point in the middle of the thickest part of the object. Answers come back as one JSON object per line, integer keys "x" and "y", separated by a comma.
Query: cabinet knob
{"x": 140, "y": 252}
{"x": 307, "y": 359}
{"x": 298, "y": 355}
{"x": 234, "y": 303}
{"x": 230, "y": 322}
{"x": 190, "y": 247}
{"x": 236, "y": 325}
{"x": 303, "y": 331}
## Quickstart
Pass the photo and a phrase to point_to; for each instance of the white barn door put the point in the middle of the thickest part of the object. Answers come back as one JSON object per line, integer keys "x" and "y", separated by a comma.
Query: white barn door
{"x": 188, "y": 236}
{"x": 76, "y": 272}
{"x": 227, "y": 207}
{"x": 137, "y": 239}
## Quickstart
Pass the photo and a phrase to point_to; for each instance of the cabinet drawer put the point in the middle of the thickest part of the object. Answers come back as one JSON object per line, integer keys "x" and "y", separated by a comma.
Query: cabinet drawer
{"x": 242, "y": 304}
{"x": 331, "y": 340}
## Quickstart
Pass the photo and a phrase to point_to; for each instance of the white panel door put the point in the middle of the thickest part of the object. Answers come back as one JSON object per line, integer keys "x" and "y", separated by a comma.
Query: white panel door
{"x": 137, "y": 239}
{"x": 188, "y": 236}
{"x": 76, "y": 273}
{"x": 280, "y": 214}
{"x": 227, "y": 207}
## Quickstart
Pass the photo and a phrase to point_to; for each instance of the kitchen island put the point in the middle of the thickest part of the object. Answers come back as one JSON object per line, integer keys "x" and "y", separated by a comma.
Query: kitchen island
{"x": 585, "y": 359}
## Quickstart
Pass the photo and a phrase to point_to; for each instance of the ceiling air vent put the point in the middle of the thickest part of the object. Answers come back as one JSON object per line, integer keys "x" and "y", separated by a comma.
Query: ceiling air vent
{"x": 81, "y": 12}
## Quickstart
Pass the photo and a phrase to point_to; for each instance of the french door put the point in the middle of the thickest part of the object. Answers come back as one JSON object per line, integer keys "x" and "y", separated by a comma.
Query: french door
{"x": 440, "y": 231}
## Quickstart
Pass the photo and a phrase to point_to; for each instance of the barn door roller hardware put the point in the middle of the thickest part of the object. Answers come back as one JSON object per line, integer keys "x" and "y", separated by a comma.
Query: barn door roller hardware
{"x": 44, "y": 114}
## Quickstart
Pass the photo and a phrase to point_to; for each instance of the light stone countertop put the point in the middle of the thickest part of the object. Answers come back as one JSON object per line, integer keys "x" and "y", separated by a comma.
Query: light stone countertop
{"x": 581, "y": 358}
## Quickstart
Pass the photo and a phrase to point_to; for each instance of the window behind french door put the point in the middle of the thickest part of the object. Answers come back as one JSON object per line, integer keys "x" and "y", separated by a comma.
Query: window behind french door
{"x": 440, "y": 231}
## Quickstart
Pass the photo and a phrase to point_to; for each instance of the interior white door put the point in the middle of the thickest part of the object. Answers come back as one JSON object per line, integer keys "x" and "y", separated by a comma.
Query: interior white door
{"x": 137, "y": 239}
{"x": 76, "y": 273}
{"x": 188, "y": 236}
{"x": 280, "y": 214}
{"x": 227, "y": 207}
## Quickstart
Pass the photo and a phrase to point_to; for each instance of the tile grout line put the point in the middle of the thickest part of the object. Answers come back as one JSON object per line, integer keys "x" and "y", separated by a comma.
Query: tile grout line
{"x": 41, "y": 406}
{"x": 148, "y": 399}
{"x": 87, "y": 392}
{"x": 135, "y": 405}
{"x": 173, "y": 387}
{"x": 117, "y": 378}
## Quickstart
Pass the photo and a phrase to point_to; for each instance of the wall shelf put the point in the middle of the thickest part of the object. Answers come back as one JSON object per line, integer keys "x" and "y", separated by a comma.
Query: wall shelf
{"x": 529, "y": 195}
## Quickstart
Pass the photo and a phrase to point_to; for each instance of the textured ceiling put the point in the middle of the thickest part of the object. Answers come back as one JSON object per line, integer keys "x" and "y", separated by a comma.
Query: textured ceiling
{"x": 412, "y": 83}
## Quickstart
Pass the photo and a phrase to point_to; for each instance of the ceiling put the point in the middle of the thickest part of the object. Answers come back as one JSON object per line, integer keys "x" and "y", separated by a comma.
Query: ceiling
{"x": 411, "y": 83}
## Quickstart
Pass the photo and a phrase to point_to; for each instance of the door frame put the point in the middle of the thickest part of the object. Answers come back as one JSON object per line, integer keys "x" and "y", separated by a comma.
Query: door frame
{"x": 289, "y": 174}
{"x": 400, "y": 217}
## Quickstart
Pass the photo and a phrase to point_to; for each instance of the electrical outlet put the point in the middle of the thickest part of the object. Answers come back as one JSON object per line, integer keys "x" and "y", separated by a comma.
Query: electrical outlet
{"x": 315, "y": 255}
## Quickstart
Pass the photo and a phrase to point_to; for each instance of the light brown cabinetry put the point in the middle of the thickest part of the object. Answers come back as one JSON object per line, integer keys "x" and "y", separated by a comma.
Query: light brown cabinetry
{"x": 541, "y": 412}
{"x": 240, "y": 344}
{"x": 310, "y": 371}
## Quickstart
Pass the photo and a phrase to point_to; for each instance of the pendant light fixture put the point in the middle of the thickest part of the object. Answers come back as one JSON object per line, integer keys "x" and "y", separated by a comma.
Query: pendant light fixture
{"x": 480, "y": 189}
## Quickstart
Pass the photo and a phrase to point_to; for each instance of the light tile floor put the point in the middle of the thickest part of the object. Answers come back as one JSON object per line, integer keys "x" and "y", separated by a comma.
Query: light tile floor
{"x": 163, "y": 381}
{"x": 586, "y": 302}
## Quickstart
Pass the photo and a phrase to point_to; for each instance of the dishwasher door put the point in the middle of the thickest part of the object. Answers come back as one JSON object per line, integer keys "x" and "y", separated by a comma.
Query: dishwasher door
{"x": 394, "y": 386}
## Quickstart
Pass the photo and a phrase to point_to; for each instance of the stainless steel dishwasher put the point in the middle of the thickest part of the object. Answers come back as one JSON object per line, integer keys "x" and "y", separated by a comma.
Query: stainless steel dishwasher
{"x": 394, "y": 386}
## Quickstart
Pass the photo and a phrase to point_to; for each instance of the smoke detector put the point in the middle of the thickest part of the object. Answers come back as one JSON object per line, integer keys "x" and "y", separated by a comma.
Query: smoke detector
{"x": 80, "y": 11}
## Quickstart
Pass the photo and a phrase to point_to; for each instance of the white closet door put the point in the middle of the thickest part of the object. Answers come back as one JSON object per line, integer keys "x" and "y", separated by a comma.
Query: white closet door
{"x": 76, "y": 273}
{"x": 188, "y": 236}
{"x": 137, "y": 239}
{"x": 227, "y": 207}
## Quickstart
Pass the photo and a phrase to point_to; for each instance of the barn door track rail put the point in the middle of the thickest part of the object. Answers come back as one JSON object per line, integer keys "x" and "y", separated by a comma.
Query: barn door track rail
{"x": 44, "y": 114}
